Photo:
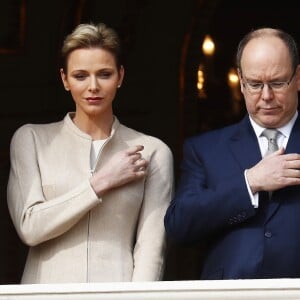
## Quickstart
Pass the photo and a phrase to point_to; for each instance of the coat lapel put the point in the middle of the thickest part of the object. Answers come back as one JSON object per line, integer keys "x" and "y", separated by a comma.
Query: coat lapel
{"x": 293, "y": 146}
{"x": 244, "y": 145}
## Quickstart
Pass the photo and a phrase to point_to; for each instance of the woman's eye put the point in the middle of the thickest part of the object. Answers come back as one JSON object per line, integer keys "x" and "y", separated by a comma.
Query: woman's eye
{"x": 79, "y": 76}
{"x": 105, "y": 74}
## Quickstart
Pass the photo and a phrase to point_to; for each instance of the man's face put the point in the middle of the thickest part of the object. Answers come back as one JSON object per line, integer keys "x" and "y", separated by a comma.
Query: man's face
{"x": 268, "y": 82}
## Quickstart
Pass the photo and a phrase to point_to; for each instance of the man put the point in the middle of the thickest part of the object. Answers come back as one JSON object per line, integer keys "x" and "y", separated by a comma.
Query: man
{"x": 242, "y": 200}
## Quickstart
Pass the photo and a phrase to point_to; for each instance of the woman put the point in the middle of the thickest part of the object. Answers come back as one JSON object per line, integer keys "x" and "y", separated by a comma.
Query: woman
{"x": 87, "y": 193}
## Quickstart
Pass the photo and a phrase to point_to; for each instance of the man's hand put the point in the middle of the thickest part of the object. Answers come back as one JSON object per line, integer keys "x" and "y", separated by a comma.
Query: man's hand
{"x": 275, "y": 171}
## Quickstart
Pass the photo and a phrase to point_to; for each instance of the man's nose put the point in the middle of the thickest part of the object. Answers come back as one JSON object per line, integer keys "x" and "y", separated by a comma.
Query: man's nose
{"x": 267, "y": 92}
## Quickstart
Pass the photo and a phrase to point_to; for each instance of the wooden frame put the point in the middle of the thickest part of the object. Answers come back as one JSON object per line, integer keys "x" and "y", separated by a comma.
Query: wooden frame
{"x": 12, "y": 23}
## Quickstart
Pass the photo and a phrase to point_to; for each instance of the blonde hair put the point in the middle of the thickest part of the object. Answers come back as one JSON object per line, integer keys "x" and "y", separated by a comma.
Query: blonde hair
{"x": 91, "y": 36}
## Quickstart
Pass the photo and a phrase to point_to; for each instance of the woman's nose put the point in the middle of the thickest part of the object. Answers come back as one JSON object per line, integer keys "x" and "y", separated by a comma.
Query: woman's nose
{"x": 93, "y": 85}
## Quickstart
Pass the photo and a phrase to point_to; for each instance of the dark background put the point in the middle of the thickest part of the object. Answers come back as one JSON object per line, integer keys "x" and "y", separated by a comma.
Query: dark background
{"x": 162, "y": 46}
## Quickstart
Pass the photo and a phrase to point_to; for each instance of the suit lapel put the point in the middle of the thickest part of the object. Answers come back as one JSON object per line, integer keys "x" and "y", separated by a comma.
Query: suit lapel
{"x": 244, "y": 145}
{"x": 293, "y": 146}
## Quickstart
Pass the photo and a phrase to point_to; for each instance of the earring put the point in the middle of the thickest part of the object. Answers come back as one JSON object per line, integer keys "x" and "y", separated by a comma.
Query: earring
{"x": 119, "y": 85}
{"x": 67, "y": 89}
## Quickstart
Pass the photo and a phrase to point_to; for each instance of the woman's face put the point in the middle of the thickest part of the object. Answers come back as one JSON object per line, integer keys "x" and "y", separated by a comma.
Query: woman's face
{"x": 92, "y": 78}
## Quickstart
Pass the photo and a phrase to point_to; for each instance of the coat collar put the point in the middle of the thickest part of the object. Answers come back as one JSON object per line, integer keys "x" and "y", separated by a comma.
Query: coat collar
{"x": 71, "y": 126}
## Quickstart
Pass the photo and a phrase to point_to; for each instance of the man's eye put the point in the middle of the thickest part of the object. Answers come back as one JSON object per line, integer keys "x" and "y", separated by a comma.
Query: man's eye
{"x": 255, "y": 85}
{"x": 277, "y": 85}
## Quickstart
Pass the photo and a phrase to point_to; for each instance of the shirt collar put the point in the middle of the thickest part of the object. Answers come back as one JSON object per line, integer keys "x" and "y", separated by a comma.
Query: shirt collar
{"x": 285, "y": 130}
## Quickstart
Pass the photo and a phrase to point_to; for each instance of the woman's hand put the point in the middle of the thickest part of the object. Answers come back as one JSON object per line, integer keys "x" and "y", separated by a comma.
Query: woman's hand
{"x": 123, "y": 167}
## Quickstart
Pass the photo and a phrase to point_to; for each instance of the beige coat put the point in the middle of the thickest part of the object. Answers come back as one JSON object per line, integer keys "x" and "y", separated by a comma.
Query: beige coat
{"x": 74, "y": 235}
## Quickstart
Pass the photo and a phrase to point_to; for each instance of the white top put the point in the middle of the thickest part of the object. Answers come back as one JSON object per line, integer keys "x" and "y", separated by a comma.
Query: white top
{"x": 95, "y": 150}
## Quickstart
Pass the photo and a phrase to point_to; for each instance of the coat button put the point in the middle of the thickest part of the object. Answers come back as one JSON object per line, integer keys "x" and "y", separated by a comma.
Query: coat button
{"x": 268, "y": 234}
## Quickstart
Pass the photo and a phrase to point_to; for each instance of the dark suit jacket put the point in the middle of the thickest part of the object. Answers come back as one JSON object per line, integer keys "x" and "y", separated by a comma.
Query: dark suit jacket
{"x": 212, "y": 203}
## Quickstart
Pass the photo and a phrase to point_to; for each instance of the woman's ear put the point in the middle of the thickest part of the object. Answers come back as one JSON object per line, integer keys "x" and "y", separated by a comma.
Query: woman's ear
{"x": 121, "y": 76}
{"x": 64, "y": 79}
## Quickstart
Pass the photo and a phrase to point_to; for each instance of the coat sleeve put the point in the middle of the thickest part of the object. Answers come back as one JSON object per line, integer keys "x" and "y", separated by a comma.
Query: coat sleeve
{"x": 35, "y": 219}
{"x": 149, "y": 250}
{"x": 208, "y": 199}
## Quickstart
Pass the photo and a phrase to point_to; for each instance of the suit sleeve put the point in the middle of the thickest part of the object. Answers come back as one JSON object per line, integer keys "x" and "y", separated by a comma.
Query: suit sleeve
{"x": 202, "y": 206}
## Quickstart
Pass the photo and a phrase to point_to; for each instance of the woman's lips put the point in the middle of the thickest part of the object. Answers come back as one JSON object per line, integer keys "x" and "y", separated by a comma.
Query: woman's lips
{"x": 94, "y": 99}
